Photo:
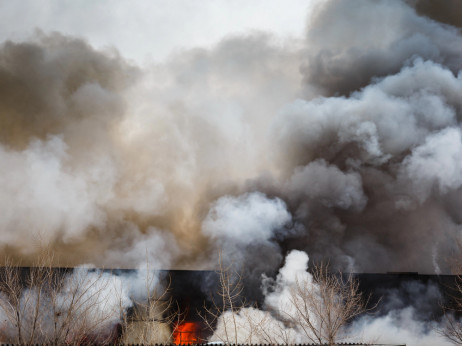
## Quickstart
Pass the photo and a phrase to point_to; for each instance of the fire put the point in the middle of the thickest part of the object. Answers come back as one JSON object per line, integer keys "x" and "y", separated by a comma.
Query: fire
{"x": 187, "y": 333}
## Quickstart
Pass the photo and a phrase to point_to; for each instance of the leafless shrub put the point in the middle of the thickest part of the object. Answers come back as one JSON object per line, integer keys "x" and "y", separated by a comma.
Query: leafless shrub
{"x": 229, "y": 301}
{"x": 452, "y": 329}
{"x": 321, "y": 305}
{"x": 48, "y": 306}
{"x": 315, "y": 308}
{"x": 451, "y": 326}
{"x": 151, "y": 318}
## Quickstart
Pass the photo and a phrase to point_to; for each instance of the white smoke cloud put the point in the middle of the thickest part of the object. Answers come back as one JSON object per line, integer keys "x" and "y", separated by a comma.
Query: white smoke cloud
{"x": 37, "y": 184}
{"x": 251, "y": 218}
{"x": 255, "y": 326}
{"x": 253, "y": 222}
{"x": 399, "y": 326}
{"x": 385, "y": 118}
{"x": 63, "y": 307}
{"x": 102, "y": 296}
{"x": 436, "y": 163}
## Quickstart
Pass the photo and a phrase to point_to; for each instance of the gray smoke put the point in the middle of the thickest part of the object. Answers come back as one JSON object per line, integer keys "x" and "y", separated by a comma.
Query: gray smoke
{"x": 389, "y": 155}
{"x": 368, "y": 161}
{"x": 108, "y": 163}
{"x": 350, "y": 44}
{"x": 356, "y": 160}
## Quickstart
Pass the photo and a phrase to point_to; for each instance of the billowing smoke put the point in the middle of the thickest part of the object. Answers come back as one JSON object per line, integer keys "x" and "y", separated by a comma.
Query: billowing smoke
{"x": 255, "y": 326}
{"x": 390, "y": 155}
{"x": 106, "y": 162}
{"x": 400, "y": 326}
{"x": 247, "y": 225}
{"x": 350, "y": 45}
{"x": 356, "y": 159}
{"x": 367, "y": 160}
{"x": 409, "y": 318}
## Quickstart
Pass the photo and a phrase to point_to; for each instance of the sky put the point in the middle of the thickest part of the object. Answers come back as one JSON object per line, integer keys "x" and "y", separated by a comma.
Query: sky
{"x": 151, "y": 30}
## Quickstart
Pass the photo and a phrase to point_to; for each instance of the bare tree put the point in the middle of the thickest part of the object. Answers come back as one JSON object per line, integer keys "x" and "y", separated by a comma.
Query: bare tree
{"x": 451, "y": 327}
{"x": 23, "y": 292}
{"x": 10, "y": 303}
{"x": 316, "y": 308}
{"x": 150, "y": 319}
{"x": 232, "y": 321}
{"x": 226, "y": 306}
{"x": 43, "y": 304}
{"x": 322, "y": 304}
{"x": 80, "y": 309}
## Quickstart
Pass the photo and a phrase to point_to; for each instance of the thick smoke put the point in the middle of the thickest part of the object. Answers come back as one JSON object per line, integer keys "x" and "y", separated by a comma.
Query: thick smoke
{"x": 444, "y": 12}
{"x": 407, "y": 314}
{"x": 355, "y": 160}
{"x": 394, "y": 148}
{"x": 244, "y": 225}
{"x": 106, "y": 162}
{"x": 399, "y": 326}
{"x": 348, "y": 45}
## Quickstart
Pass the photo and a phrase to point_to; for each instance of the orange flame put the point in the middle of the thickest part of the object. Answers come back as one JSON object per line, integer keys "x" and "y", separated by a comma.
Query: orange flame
{"x": 187, "y": 333}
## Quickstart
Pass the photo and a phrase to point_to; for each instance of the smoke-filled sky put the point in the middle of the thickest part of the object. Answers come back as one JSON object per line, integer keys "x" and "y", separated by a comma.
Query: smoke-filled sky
{"x": 146, "y": 30}
{"x": 169, "y": 131}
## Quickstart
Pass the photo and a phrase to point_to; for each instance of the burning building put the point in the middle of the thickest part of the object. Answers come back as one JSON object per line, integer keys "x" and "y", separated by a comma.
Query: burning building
{"x": 79, "y": 308}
